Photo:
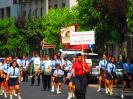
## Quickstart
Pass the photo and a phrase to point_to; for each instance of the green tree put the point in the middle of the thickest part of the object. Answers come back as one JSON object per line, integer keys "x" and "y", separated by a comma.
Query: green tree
{"x": 54, "y": 20}
{"x": 106, "y": 17}
{"x": 32, "y": 32}
{"x": 10, "y": 40}
{"x": 130, "y": 16}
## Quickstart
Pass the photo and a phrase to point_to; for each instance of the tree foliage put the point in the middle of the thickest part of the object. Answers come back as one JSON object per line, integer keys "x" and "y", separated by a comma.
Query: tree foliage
{"x": 10, "y": 40}
{"x": 54, "y": 20}
{"x": 106, "y": 17}
{"x": 32, "y": 31}
{"x": 130, "y": 16}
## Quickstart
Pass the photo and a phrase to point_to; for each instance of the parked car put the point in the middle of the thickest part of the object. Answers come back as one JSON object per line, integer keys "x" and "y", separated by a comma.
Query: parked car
{"x": 93, "y": 61}
{"x": 94, "y": 71}
{"x": 69, "y": 53}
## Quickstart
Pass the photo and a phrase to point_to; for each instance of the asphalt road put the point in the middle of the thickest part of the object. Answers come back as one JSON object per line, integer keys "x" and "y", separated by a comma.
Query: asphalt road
{"x": 36, "y": 92}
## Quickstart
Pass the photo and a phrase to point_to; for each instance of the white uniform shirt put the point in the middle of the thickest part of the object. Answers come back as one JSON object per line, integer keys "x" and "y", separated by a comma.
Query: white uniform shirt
{"x": 5, "y": 67}
{"x": 12, "y": 73}
{"x": 68, "y": 65}
{"x": 47, "y": 63}
{"x": 102, "y": 64}
{"x": 19, "y": 62}
{"x": 37, "y": 63}
{"x": 0, "y": 68}
{"x": 58, "y": 72}
{"x": 25, "y": 63}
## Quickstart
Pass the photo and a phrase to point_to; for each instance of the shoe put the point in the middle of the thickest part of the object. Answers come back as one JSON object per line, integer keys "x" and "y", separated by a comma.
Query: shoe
{"x": 98, "y": 90}
{"x": 14, "y": 94}
{"x": 52, "y": 90}
{"x": 122, "y": 96}
{"x": 107, "y": 92}
{"x": 19, "y": 97}
{"x": 111, "y": 93}
{"x": 58, "y": 92}
{"x": 69, "y": 98}
{"x": 10, "y": 96}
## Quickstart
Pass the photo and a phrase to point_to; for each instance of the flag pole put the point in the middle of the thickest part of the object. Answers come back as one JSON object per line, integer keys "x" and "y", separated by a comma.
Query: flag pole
{"x": 83, "y": 55}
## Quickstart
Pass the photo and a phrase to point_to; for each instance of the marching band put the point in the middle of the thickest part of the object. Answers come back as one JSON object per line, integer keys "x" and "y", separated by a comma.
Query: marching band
{"x": 56, "y": 72}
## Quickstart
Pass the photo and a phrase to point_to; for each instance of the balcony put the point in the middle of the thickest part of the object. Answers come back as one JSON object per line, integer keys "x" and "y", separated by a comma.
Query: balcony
{"x": 21, "y": 1}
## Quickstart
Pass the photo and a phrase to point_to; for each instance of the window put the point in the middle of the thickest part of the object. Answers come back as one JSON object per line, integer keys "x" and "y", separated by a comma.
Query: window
{"x": 55, "y": 6}
{"x": 50, "y": 6}
{"x": 41, "y": 11}
{"x": 29, "y": 14}
{"x": 63, "y": 5}
{"x": 24, "y": 13}
{"x": 8, "y": 11}
{"x": 2, "y": 13}
{"x": 36, "y": 12}
{"x": 16, "y": 1}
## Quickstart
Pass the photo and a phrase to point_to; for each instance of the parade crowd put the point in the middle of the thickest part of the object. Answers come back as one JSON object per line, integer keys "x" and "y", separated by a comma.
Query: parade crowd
{"x": 56, "y": 72}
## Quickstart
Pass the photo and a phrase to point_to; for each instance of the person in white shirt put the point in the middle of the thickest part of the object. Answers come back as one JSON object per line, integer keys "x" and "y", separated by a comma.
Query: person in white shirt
{"x": 46, "y": 73}
{"x": 19, "y": 61}
{"x": 13, "y": 79}
{"x": 67, "y": 66}
{"x": 25, "y": 66}
{"x": 58, "y": 74}
{"x": 36, "y": 69}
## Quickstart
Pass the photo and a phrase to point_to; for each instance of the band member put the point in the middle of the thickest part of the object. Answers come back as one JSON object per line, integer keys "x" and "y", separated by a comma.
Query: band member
{"x": 58, "y": 74}
{"x": 67, "y": 66}
{"x": 25, "y": 66}
{"x": 54, "y": 63}
{"x": 110, "y": 75}
{"x": 71, "y": 86}
{"x": 79, "y": 69}
{"x": 36, "y": 69}
{"x": 126, "y": 76}
{"x": 46, "y": 73}
{"x": 5, "y": 67}
{"x": 101, "y": 71}
{"x": 1, "y": 80}
{"x": 13, "y": 79}
{"x": 131, "y": 66}
{"x": 19, "y": 61}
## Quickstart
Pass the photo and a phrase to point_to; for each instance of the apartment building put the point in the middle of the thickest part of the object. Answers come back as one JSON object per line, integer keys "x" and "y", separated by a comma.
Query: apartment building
{"x": 21, "y": 8}
{"x": 5, "y": 8}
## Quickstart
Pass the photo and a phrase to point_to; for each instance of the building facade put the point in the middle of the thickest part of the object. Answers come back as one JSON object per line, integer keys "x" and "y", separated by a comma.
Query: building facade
{"x": 29, "y": 8}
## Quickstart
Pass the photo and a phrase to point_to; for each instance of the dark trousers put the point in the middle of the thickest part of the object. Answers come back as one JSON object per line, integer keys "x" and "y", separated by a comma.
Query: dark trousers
{"x": 25, "y": 76}
{"x": 33, "y": 79}
{"x": 46, "y": 81}
{"x": 80, "y": 86}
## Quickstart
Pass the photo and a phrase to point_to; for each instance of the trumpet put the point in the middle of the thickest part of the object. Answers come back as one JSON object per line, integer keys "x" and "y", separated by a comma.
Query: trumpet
{"x": 37, "y": 72}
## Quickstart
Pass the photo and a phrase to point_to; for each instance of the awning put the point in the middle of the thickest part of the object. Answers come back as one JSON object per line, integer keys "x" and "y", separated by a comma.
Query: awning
{"x": 77, "y": 47}
{"x": 46, "y": 45}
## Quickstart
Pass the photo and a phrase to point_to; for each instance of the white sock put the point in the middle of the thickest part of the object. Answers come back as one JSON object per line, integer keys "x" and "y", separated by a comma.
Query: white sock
{"x": 71, "y": 94}
{"x": 19, "y": 97}
{"x": 10, "y": 96}
{"x": 53, "y": 88}
{"x": 5, "y": 95}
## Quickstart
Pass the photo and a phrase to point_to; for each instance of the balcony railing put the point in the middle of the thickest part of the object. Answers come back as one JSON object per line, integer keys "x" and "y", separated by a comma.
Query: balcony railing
{"x": 21, "y": 1}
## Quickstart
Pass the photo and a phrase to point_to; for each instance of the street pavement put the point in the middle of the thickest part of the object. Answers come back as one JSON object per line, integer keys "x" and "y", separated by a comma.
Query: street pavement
{"x": 36, "y": 92}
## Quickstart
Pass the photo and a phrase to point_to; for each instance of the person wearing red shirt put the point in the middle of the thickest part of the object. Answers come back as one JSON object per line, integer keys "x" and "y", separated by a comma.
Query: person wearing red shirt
{"x": 79, "y": 69}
